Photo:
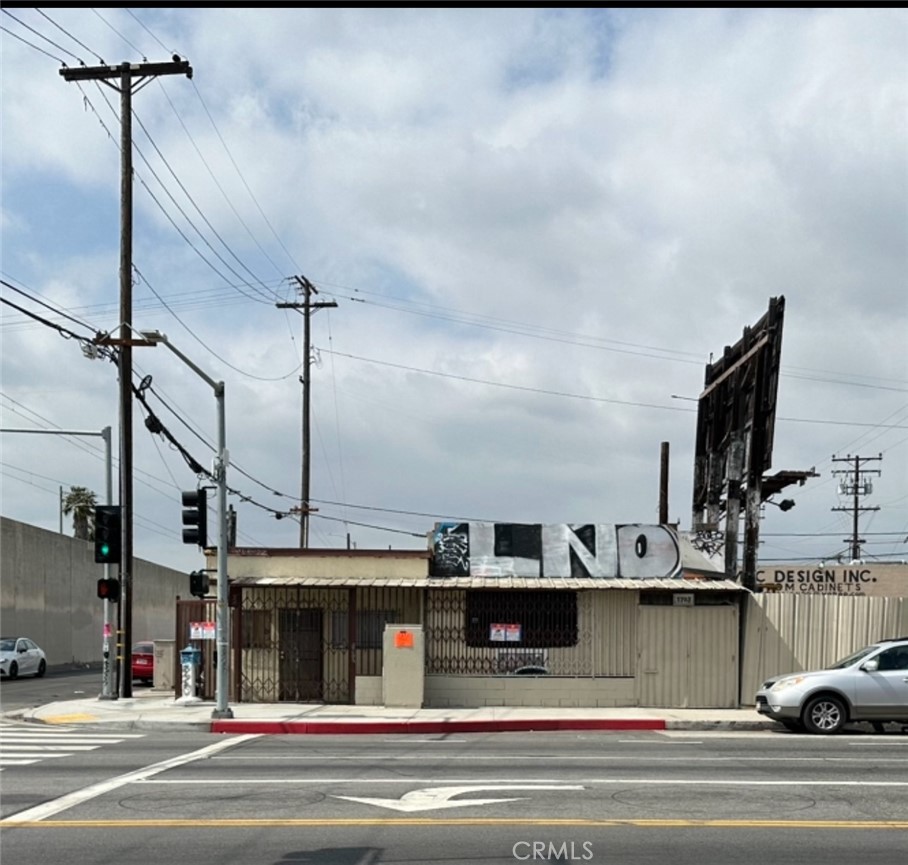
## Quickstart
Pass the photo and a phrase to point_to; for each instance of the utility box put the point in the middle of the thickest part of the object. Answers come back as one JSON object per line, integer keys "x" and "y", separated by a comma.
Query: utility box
{"x": 404, "y": 666}
{"x": 164, "y": 662}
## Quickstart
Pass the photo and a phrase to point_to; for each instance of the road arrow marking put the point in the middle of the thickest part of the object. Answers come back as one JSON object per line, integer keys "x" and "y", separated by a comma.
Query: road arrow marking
{"x": 432, "y": 798}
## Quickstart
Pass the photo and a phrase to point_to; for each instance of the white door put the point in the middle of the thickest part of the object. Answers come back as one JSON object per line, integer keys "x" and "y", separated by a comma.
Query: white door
{"x": 25, "y": 658}
{"x": 885, "y": 690}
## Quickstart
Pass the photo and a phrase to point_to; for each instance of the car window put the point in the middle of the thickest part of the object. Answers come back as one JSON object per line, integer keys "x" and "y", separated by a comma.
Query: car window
{"x": 29, "y": 644}
{"x": 144, "y": 648}
{"x": 7, "y": 645}
{"x": 894, "y": 659}
{"x": 853, "y": 659}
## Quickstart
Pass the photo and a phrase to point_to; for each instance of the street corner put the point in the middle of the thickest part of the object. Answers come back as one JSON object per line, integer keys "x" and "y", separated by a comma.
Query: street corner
{"x": 72, "y": 718}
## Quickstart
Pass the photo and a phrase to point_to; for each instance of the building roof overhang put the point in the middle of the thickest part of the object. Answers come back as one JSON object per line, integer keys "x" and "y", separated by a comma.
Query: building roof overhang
{"x": 522, "y": 583}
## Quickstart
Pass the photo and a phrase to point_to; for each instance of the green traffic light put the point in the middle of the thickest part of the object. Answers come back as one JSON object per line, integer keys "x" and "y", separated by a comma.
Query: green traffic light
{"x": 105, "y": 550}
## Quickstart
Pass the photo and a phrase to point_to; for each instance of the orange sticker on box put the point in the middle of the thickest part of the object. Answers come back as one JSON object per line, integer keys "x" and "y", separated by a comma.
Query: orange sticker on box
{"x": 403, "y": 640}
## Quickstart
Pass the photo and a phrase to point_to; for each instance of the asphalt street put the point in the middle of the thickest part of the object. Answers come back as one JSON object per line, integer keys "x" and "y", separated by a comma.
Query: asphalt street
{"x": 672, "y": 796}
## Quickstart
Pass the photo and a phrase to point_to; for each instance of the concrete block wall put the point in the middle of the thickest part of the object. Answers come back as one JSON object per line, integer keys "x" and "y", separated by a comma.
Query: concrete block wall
{"x": 48, "y": 592}
{"x": 545, "y": 691}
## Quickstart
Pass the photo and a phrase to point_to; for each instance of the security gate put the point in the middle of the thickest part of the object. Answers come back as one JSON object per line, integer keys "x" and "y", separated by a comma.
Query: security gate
{"x": 300, "y": 646}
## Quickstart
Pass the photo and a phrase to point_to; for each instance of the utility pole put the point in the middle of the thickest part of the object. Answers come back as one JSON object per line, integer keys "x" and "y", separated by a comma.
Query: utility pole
{"x": 125, "y": 78}
{"x": 855, "y": 486}
{"x": 308, "y": 307}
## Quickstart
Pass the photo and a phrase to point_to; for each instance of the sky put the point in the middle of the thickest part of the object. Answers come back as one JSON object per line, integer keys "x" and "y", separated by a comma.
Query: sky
{"x": 538, "y": 226}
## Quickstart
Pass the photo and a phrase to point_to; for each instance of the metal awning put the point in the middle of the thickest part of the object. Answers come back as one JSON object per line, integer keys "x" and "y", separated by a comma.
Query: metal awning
{"x": 523, "y": 583}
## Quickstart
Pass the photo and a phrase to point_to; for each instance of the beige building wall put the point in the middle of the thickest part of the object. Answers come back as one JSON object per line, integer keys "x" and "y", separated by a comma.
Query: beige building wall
{"x": 473, "y": 691}
{"x": 787, "y": 632}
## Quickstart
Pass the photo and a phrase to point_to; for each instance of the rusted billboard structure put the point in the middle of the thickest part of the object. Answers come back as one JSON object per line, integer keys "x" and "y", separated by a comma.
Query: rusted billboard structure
{"x": 735, "y": 429}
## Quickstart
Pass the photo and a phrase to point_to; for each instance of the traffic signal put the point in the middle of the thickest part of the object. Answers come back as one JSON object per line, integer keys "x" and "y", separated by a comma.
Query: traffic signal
{"x": 107, "y": 534}
{"x": 109, "y": 590}
{"x": 198, "y": 584}
{"x": 195, "y": 518}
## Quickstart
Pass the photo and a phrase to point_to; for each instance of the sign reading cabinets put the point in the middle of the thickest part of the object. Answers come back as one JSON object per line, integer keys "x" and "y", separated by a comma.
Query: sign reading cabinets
{"x": 856, "y": 579}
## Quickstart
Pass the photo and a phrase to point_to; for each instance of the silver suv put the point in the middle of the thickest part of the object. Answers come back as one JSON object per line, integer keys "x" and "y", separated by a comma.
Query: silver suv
{"x": 870, "y": 685}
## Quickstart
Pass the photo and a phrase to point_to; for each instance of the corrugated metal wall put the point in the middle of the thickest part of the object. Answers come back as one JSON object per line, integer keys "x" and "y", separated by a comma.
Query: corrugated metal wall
{"x": 784, "y": 633}
{"x": 614, "y": 625}
{"x": 687, "y": 657}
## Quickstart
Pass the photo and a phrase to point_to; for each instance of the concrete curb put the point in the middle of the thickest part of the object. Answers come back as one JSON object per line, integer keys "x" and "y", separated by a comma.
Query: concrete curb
{"x": 432, "y": 727}
{"x": 142, "y": 722}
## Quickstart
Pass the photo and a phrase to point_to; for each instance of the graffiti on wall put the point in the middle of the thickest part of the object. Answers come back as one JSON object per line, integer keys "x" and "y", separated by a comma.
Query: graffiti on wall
{"x": 602, "y": 551}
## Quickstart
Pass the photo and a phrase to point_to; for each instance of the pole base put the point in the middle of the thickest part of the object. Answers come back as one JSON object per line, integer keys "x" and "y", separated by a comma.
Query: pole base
{"x": 108, "y": 696}
{"x": 219, "y": 714}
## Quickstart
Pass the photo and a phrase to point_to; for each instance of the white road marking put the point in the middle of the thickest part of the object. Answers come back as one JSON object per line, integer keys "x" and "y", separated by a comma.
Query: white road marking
{"x": 537, "y": 758}
{"x": 428, "y": 741}
{"x": 666, "y": 782}
{"x": 21, "y": 741}
{"x": 77, "y": 797}
{"x": 434, "y": 798}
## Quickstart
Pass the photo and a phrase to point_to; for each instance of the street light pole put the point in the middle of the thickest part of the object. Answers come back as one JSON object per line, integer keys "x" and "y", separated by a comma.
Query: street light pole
{"x": 222, "y": 684}
{"x": 106, "y": 692}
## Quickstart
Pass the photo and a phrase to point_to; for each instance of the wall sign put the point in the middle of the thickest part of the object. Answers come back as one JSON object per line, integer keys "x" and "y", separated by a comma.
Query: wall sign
{"x": 882, "y": 580}
{"x": 601, "y": 551}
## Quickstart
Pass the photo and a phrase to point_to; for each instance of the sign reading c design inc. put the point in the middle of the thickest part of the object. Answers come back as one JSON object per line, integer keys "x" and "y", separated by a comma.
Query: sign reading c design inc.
{"x": 596, "y": 550}
{"x": 880, "y": 580}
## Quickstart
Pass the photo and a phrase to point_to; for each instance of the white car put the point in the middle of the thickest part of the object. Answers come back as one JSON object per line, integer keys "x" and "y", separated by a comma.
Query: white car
{"x": 870, "y": 685}
{"x": 20, "y": 656}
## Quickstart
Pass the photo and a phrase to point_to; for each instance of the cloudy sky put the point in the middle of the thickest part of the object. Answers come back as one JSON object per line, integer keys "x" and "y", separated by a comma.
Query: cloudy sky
{"x": 537, "y": 225}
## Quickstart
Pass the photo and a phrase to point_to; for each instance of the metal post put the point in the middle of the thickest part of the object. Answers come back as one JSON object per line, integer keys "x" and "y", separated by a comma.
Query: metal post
{"x": 222, "y": 681}
{"x": 108, "y": 490}
{"x": 107, "y": 692}
{"x": 222, "y": 684}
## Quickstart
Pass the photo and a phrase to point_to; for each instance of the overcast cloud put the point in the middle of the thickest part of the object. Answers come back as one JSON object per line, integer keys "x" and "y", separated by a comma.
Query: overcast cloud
{"x": 538, "y": 226}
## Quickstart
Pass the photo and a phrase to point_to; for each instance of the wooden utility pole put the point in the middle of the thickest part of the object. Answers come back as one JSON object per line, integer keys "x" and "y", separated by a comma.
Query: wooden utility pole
{"x": 663, "y": 484}
{"x": 855, "y": 486}
{"x": 308, "y": 307}
{"x": 125, "y": 78}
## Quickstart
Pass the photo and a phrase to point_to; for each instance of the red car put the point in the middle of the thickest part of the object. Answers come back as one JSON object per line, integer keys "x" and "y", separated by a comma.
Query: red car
{"x": 143, "y": 661}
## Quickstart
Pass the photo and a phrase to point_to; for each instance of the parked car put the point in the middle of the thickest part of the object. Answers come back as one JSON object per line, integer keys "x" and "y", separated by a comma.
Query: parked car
{"x": 20, "y": 656}
{"x": 143, "y": 661}
{"x": 870, "y": 685}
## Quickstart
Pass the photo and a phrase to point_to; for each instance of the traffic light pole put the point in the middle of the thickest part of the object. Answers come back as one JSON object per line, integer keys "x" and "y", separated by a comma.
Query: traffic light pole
{"x": 106, "y": 692}
{"x": 222, "y": 684}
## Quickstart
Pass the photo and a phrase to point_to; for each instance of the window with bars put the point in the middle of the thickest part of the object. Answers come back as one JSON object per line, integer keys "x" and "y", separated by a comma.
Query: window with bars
{"x": 370, "y": 626}
{"x": 521, "y": 619}
{"x": 257, "y": 629}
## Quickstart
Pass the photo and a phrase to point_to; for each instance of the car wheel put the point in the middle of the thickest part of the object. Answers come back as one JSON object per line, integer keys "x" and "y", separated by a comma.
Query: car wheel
{"x": 793, "y": 726}
{"x": 824, "y": 715}
{"x": 14, "y": 670}
{"x": 42, "y": 668}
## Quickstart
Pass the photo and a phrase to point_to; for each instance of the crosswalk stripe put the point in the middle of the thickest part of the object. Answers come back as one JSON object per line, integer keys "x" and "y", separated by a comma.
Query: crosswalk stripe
{"x": 61, "y": 739}
{"x": 22, "y": 744}
{"x": 41, "y": 756}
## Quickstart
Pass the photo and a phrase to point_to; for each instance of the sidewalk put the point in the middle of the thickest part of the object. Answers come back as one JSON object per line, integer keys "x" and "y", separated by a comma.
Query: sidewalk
{"x": 157, "y": 710}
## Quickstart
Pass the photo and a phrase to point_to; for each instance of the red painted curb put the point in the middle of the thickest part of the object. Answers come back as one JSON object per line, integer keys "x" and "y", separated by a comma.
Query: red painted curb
{"x": 379, "y": 727}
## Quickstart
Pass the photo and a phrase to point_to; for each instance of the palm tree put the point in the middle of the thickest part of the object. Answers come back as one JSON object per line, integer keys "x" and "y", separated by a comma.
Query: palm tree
{"x": 81, "y": 502}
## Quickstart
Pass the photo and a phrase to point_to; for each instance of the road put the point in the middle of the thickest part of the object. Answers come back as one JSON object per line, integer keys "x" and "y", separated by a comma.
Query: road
{"x": 666, "y": 797}
{"x": 28, "y": 691}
